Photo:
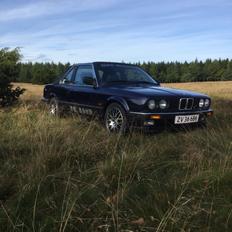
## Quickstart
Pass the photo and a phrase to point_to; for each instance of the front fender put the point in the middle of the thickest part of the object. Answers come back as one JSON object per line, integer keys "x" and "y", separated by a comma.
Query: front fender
{"x": 120, "y": 101}
{"x": 48, "y": 93}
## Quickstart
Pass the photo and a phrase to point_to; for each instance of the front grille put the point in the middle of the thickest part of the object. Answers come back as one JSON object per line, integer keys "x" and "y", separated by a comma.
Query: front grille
{"x": 186, "y": 103}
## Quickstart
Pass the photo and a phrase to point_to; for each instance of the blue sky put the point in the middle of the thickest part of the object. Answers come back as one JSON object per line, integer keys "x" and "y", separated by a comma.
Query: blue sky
{"x": 117, "y": 30}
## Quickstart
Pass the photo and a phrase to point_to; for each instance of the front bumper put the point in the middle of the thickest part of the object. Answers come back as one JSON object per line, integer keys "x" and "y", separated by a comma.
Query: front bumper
{"x": 153, "y": 119}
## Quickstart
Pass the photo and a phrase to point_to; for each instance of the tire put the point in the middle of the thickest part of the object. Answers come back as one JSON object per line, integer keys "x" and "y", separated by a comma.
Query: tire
{"x": 115, "y": 119}
{"x": 54, "y": 109}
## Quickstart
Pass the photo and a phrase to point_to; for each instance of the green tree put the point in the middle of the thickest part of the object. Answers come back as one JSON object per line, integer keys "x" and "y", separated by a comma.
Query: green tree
{"x": 9, "y": 71}
{"x": 209, "y": 70}
{"x": 227, "y": 75}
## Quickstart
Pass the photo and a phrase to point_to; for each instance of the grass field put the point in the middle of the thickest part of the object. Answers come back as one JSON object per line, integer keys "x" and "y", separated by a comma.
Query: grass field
{"x": 67, "y": 174}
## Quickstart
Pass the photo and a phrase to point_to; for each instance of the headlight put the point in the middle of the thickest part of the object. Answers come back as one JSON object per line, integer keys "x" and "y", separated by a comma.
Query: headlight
{"x": 163, "y": 104}
{"x": 151, "y": 104}
{"x": 201, "y": 103}
{"x": 207, "y": 102}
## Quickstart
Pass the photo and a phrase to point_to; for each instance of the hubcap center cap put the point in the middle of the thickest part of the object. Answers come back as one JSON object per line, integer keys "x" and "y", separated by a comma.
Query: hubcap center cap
{"x": 53, "y": 109}
{"x": 112, "y": 124}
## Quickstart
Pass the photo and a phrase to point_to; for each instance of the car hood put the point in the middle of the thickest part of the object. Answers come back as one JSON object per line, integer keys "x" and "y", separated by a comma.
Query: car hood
{"x": 152, "y": 91}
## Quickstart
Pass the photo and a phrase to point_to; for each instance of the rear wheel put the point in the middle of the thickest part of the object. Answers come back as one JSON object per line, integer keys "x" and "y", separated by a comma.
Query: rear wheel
{"x": 115, "y": 119}
{"x": 55, "y": 108}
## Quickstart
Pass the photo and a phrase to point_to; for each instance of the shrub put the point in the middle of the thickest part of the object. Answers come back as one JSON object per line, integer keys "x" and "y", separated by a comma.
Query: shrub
{"x": 9, "y": 71}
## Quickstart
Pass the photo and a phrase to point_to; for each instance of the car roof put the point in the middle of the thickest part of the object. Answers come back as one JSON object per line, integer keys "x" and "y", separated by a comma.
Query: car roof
{"x": 103, "y": 62}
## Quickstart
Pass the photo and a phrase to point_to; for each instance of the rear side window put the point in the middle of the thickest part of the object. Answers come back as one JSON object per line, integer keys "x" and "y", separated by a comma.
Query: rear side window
{"x": 83, "y": 71}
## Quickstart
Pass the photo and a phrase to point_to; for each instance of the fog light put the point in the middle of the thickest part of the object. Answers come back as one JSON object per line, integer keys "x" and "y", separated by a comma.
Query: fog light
{"x": 202, "y": 118}
{"x": 149, "y": 123}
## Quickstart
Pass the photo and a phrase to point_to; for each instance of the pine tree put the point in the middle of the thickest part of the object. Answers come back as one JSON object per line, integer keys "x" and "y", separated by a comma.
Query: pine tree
{"x": 228, "y": 72}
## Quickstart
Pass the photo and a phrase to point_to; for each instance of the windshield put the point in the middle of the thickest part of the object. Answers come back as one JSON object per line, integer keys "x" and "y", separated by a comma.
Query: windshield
{"x": 120, "y": 73}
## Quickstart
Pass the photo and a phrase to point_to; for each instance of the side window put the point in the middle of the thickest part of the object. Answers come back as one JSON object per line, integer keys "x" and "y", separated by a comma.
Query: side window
{"x": 69, "y": 75}
{"x": 83, "y": 71}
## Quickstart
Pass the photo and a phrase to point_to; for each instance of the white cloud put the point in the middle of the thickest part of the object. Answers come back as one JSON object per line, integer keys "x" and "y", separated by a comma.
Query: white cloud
{"x": 45, "y": 8}
{"x": 117, "y": 30}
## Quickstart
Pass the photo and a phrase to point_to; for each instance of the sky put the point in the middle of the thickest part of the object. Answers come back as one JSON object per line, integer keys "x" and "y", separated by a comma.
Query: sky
{"x": 117, "y": 30}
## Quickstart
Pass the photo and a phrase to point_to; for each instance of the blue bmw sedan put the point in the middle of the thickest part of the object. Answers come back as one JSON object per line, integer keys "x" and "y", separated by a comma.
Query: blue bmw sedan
{"x": 124, "y": 95}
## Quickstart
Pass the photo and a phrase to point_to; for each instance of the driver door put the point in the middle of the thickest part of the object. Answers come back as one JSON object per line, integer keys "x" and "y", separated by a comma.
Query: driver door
{"x": 81, "y": 93}
{"x": 63, "y": 87}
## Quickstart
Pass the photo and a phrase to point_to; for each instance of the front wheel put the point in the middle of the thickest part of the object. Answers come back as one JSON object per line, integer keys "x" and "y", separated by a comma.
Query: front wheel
{"x": 115, "y": 119}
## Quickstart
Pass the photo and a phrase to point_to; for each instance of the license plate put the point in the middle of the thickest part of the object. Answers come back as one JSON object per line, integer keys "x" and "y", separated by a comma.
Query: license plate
{"x": 184, "y": 119}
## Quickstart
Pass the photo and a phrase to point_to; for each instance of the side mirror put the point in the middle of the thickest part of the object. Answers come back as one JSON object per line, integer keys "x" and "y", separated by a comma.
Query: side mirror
{"x": 64, "y": 81}
{"x": 87, "y": 80}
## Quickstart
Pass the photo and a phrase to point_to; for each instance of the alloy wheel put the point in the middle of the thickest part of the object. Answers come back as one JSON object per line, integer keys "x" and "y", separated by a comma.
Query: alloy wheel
{"x": 115, "y": 119}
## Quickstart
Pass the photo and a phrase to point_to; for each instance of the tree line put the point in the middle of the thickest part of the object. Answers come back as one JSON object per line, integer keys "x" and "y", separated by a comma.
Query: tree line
{"x": 40, "y": 73}
{"x": 12, "y": 70}
{"x": 209, "y": 70}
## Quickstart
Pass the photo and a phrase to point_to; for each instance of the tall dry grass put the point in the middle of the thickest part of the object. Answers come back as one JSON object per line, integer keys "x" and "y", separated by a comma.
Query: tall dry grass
{"x": 68, "y": 174}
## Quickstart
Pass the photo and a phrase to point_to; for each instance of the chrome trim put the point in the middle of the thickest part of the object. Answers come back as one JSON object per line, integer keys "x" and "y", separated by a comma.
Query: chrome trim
{"x": 81, "y": 105}
{"x": 186, "y": 104}
{"x": 171, "y": 113}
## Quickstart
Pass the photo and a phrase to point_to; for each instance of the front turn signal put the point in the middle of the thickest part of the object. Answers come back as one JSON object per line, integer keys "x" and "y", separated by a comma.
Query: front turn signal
{"x": 156, "y": 117}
